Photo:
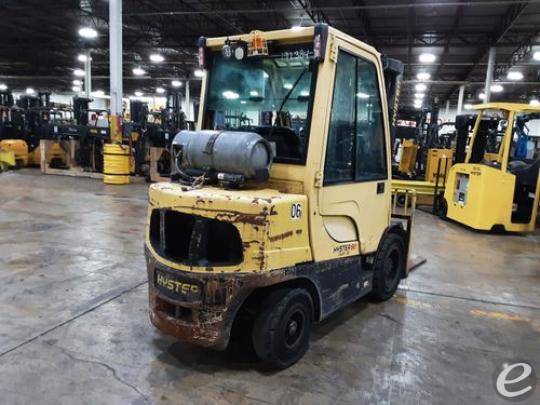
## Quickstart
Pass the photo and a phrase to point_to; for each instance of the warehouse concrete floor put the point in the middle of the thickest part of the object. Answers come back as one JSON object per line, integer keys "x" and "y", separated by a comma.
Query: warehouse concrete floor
{"x": 74, "y": 326}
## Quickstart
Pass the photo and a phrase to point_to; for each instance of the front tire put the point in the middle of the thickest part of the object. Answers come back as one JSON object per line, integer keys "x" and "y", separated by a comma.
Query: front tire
{"x": 282, "y": 328}
{"x": 389, "y": 267}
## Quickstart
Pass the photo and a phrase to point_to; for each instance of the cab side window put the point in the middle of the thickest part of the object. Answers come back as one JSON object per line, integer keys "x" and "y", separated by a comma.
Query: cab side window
{"x": 356, "y": 145}
{"x": 370, "y": 145}
{"x": 338, "y": 165}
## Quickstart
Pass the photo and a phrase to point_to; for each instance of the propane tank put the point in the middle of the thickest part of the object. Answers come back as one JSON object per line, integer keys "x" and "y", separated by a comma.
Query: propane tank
{"x": 224, "y": 152}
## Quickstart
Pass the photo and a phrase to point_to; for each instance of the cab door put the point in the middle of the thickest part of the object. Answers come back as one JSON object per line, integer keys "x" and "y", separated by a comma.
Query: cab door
{"x": 355, "y": 196}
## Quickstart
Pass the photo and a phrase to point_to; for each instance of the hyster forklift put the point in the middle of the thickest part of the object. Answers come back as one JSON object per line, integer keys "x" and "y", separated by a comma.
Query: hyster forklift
{"x": 500, "y": 191}
{"x": 279, "y": 209}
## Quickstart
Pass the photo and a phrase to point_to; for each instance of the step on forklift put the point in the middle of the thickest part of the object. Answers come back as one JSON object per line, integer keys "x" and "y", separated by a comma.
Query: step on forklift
{"x": 279, "y": 209}
{"x": 499, "y": 191}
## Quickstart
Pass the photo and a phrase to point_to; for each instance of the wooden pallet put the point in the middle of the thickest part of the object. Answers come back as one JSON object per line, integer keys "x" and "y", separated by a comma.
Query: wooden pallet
{"x": 72, "y": 169}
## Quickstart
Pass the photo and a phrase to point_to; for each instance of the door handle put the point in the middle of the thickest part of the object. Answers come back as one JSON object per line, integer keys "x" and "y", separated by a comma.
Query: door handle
{"x": 380, "y": 188}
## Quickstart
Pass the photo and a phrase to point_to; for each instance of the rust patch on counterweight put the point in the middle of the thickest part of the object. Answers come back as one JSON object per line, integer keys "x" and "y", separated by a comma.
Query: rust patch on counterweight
{"x": 282, "y": 236}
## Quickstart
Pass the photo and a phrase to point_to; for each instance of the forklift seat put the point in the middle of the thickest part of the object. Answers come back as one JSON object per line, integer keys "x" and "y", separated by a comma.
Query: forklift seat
{"x": 526, "y": 173}
{"x": 526, "y": 178}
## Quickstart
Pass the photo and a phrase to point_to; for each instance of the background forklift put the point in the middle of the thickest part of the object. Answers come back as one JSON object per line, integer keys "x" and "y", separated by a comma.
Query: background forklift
{"x": 499, "y": 191}
{"x": 279, "y": 211}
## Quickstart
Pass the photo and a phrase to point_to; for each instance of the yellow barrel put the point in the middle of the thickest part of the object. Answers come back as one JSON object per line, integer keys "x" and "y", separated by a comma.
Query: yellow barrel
{"x": 116, "y": 159}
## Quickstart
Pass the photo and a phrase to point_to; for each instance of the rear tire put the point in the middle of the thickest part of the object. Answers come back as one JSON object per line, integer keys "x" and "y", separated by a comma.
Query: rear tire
{"x": 389, "y": 267}
{"x": 282, "y": 328}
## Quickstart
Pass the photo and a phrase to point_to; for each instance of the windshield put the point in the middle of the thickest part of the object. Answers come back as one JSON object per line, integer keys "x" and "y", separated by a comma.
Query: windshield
{"x": 269, "y": 95}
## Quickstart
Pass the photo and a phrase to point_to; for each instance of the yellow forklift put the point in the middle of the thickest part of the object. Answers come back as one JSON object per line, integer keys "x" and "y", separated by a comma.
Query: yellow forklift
{"x": 279, "y": 208}
{"x": 499, "y": 191}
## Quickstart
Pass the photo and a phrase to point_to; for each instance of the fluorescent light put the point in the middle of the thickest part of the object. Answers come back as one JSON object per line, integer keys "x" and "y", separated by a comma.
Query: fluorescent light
{"x": 138, "y": 93}
{"x": 77, "y": 83}
{"x": 496, "y": 88}
{"x": 468, "y": 106}
{"x": 30, "y": 90}
{"x": 514, "y": 75}
{"x": 78, "y": 72}
{"x": 160, "y": 90}
{"x": 534, "y": 102}
{"x": 482, "y": 96}
{"x": 418, "y": 104}
{"x": 176, "y": 83}
{"x": 230, "y": 95}
{"x": 87, "y": 32}
{"x": 419, "y": 96}
{"x": 287, "y": 86}
{"x": 157, "y": 58}
{"x": 138, "y": 71}
{"x": 305, "y": 93}
{"x": 427, "y": 58}
{"x": 423, "y": 76}
{"x": 199, "y": 73}
{"x": 254, "y": 93}
{"x": 362, "y": 95}
{"x": 536, "y": 55}
{"x": 420, "y": 87}
{"x": 76, "y": 89}
{"x": 98, "y": 93}
{"x": 3, "y": 86}
{"x": 82, "y": 57}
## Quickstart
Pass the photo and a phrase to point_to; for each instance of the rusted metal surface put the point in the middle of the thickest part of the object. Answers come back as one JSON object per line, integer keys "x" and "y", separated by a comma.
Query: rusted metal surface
{"x": 271, "y": 239}
{"x": 335, "y": 283}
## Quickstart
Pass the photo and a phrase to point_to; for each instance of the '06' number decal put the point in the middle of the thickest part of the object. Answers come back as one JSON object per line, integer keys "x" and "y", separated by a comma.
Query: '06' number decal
{"x": 296, "y": 211}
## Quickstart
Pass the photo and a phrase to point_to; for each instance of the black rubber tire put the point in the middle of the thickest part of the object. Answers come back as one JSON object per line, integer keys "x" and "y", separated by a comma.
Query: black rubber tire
{"x": 282, "y": 328}
{"x": 442, "y": 208}
{"x": 388, "y": 268}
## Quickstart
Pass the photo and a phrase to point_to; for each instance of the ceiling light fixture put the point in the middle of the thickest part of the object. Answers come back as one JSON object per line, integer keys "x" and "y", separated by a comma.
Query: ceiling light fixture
{"x": 138, "y": 71}
{"x": 176, "y": 83}
{"x": 514, "y": 75}
{"x": 419, "y": 96}
{"x": 157, "y": 58}
{"x": 138, "y": 93}
{"x": 76, "y": 89}
{"x": 82, "y": 57}
{"x": 3, "y": 87}
{"x": 160, "y": 90}
{"x": 423, "y": 76}
{"x": 496, "y": 88}
{"x": 87, "y": 32}
{"x": 199, "y": 73}
{"x": 77, "y": 82}
{"x": 230, "y": 95}
{"x": 30, "y": 90}
{"x": 427, "y": 58}
{"x": 420, "y": 87}
{"x": 78, "y": 72}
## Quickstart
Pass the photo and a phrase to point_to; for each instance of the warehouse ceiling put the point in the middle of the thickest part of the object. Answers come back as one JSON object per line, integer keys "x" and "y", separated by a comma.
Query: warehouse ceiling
{"x": 40, "y": 41}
